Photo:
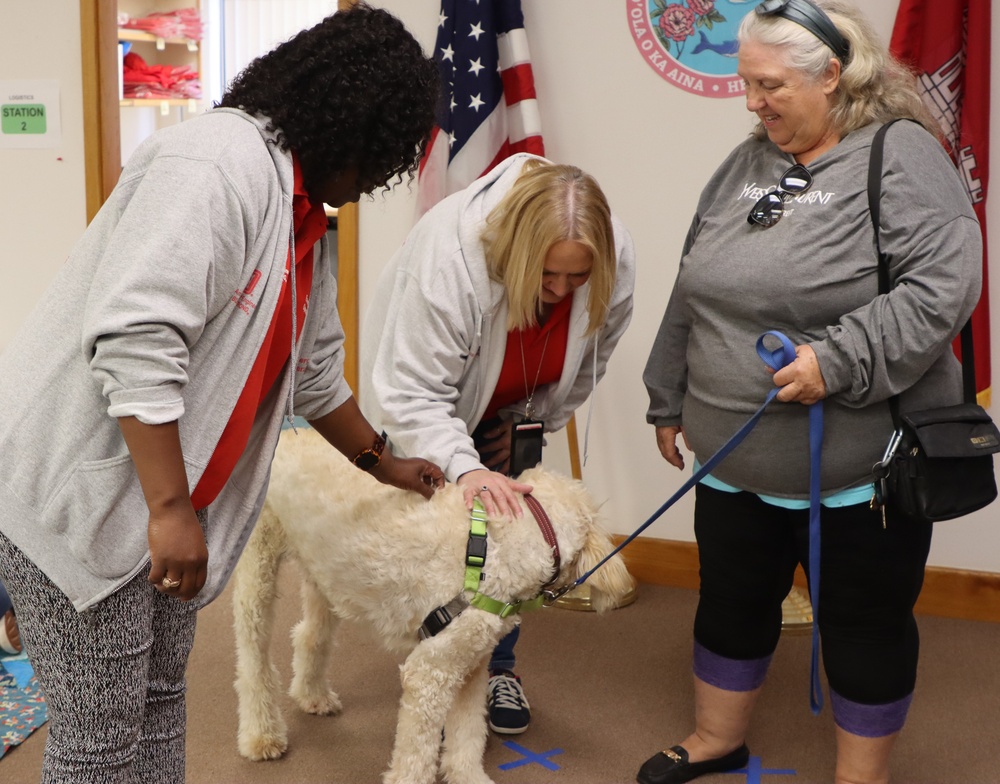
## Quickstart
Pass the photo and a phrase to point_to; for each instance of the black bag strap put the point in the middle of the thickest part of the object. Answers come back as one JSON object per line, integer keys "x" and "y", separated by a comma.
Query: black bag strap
{"x": 874, "y": 197}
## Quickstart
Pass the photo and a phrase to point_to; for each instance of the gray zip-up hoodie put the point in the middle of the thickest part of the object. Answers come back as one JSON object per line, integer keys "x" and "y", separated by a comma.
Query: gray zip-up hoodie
{"x": 159, "y": 313}
{"x": 434, "y": 339}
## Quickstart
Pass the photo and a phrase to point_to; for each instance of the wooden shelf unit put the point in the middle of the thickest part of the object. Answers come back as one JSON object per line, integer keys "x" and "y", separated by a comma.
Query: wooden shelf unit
{"x": 128, "y": 34}
{"x": 157, "y": 50}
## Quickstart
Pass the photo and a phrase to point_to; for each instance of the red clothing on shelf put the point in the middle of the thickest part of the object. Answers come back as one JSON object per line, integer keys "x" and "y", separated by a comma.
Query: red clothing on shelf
{"x": 184, "y": 23}
{"x": 141, "y": 80}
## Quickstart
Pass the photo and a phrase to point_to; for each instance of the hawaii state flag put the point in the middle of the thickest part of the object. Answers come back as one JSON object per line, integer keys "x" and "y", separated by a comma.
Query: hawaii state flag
{"x": 947, "y": 42}
{"x": 490, "y": 110}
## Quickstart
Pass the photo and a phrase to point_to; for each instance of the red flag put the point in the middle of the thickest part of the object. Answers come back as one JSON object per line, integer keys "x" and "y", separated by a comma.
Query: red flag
{"x": 947, "y": 42}
{"x": 490, "y": 110}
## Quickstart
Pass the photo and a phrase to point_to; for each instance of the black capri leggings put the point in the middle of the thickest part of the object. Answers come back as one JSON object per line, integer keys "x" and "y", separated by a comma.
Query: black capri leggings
{"x": 870, "y": 578}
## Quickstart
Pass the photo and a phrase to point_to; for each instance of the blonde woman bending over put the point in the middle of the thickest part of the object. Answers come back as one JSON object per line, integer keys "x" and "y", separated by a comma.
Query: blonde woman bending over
{"x": 501, "y": 311}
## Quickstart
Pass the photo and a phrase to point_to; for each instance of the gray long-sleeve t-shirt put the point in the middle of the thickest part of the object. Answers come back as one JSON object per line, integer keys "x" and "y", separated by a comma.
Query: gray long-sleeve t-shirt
{"x": 813, "y": 276}
{"x": 159, "y": 313}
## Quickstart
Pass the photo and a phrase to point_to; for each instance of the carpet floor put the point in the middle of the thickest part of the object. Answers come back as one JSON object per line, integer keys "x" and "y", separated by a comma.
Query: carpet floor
{"x": 606, "y": 693}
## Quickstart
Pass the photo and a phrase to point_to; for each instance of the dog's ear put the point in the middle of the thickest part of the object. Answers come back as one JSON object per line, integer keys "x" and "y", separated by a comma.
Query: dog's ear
{"x": 580, "y": 519}
{"x": 612, "y": 582}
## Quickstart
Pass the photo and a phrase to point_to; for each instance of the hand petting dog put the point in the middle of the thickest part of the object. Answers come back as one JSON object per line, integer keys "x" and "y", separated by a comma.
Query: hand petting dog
{"x": 406, "y": 473}
{"x": 497, "y": 492}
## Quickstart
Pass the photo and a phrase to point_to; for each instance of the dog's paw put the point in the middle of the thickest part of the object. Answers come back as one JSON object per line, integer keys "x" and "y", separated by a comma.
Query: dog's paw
{"x": 321, "y": 705}
{"x": 467, "y": 777}
{"x": 395, "y": 777}
{"x": 263, "y": 747}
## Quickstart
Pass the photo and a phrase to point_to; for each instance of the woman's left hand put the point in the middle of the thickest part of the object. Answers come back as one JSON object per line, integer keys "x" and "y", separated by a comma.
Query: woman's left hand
{"x": 801, "y": 381}
{"x": 416, "y": 474}
{"x": 178, "y": 552}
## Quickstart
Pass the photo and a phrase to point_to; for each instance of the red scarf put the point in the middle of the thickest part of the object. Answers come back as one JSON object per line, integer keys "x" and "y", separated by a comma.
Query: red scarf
{"x": 310, "y": 225}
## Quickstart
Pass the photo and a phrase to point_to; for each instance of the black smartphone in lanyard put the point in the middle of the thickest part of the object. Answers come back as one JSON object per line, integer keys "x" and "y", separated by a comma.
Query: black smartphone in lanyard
{"x": 525, "y": 445}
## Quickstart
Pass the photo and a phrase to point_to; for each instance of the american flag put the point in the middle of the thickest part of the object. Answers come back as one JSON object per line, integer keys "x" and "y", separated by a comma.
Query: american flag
{"x": 490, "y": 109}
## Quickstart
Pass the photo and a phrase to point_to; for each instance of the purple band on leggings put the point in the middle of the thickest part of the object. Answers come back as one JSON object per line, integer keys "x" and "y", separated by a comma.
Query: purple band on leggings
{"x": 729, "y": 674}
{"x": 869, "y": 721}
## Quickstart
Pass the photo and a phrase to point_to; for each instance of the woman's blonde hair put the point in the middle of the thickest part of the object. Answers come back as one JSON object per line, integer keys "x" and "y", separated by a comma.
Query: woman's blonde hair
{"x": 874, "y": 85}
{"x": 549, "y": 203}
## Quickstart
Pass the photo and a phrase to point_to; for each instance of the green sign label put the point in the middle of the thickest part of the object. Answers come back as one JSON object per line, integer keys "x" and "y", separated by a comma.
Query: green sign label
{"x": 22, "y": 118}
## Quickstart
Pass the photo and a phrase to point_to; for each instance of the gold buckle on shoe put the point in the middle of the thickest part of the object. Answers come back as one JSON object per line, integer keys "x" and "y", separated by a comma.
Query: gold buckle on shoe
{"x": 673, "y": 755}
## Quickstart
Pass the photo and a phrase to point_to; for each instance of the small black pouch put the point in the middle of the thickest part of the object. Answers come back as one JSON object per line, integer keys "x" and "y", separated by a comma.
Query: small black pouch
{"x": 943, "y": 466}
{"x": 939, "y": 463}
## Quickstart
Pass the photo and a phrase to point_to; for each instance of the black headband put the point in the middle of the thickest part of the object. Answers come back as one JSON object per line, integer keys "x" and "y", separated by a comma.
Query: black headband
{"x": 812, "y": 18}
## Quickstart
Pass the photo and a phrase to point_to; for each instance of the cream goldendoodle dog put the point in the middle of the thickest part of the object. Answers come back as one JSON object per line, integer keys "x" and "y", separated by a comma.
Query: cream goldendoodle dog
{"x": 389, "y": 558}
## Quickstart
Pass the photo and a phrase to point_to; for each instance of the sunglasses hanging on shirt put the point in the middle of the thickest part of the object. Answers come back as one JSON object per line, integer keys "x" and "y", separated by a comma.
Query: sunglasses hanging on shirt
{"x": 771, "y": 206}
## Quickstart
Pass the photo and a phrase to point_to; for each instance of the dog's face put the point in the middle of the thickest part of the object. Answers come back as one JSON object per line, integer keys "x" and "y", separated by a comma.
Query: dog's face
{"x": 583, "y": 542}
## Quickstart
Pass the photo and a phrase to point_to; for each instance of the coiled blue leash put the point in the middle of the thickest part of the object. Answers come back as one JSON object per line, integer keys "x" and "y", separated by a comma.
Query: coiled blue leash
{"x": 774, "y": 359}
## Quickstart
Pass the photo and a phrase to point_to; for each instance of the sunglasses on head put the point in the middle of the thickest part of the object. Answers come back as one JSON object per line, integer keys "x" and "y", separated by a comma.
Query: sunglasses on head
{"x": 812, "y": 18}
{"x": 771, "y": 206}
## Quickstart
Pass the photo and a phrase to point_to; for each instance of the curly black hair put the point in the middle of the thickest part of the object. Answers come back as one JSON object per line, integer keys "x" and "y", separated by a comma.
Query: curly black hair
{"x": 355, "y": 90}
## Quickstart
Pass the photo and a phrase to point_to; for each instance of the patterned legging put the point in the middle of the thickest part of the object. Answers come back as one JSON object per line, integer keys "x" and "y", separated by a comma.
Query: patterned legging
{"x": 113, "y": 676}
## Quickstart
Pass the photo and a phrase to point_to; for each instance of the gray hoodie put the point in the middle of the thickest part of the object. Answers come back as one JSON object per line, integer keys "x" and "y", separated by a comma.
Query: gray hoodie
{"x": 435, "y": 336}
{"x": 159, "y": 313}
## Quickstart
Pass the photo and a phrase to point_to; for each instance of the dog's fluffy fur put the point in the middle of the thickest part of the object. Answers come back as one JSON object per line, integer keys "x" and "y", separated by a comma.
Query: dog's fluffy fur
{"x": 387, "y": 557}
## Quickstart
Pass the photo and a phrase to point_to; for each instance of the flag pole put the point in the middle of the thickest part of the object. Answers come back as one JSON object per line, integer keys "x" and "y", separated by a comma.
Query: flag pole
{"x": 574, "y": 448}
{"x": 579, "y": 597}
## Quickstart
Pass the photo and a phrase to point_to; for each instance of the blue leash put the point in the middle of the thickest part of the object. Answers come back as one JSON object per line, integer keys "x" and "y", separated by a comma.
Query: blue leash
{"x": 775, "y": 360}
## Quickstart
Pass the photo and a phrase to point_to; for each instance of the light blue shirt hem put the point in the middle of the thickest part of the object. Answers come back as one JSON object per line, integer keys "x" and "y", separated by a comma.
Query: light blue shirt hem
{"x": 300, "y": 422}
{"x": 861, "y": 494}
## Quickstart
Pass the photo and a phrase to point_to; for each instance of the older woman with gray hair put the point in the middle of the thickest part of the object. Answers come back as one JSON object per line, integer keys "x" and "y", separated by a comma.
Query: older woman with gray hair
{"x": 783, "y": 239}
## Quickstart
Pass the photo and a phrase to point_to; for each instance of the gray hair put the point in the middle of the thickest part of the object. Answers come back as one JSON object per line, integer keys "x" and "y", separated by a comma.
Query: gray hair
{"x": 874, "y": 85}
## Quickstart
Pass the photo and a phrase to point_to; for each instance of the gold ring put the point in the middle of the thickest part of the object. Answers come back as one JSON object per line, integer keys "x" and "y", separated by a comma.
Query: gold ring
{"x": 166, "y": 582}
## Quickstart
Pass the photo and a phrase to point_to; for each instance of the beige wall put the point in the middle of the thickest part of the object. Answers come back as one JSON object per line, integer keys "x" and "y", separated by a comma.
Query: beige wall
{"x": 652, "y": 147}
{"x": 42, "y": 202}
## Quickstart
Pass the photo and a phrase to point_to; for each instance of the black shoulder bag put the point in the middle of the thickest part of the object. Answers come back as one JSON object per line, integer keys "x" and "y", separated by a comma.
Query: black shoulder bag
{"x": 939, "y": 462}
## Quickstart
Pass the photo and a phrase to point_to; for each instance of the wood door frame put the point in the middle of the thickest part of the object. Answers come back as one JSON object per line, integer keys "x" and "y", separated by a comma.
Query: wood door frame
{"x": 348, "y": 283}
{"x": 102, "y": 156}
{"x": 101, "y": 115}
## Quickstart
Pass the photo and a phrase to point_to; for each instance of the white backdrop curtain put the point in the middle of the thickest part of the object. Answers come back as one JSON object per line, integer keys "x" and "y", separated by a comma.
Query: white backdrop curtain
{"x": 245, "y": 29}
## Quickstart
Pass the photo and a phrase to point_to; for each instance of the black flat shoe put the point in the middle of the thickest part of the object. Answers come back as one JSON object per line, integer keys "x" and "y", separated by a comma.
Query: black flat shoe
{"x": 672, "y": 766}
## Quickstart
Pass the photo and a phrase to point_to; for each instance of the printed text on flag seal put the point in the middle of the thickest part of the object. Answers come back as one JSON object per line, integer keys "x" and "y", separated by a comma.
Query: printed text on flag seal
{"x": 690, "y": 43}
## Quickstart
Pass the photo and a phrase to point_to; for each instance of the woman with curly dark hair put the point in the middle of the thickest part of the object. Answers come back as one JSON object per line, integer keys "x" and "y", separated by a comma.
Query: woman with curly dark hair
{"x": 144, "y": 396}
{"x": 355, "y": 90}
